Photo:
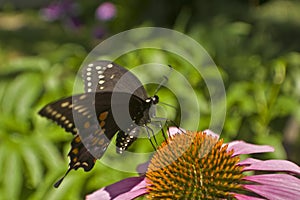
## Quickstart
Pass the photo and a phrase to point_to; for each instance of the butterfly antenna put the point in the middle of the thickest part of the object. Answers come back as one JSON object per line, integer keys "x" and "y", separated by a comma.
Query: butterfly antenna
{"x": 164, "y": 135}
{"x": 168, "y": 105}
{"x": 165, "y": 79}
{"x": 57, "y": 184}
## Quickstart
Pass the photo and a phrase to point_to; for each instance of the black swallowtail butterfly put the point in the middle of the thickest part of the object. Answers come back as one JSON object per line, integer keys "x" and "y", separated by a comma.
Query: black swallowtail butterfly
{"x": 102, "y": 80}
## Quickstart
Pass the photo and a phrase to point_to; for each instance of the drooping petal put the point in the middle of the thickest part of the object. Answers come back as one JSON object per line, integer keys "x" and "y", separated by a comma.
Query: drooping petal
{"x": 246, "y": 197}
{"x": 135, "y": 192}
{"x": 125, "y": 189}
{"x": 142, "y": 168}
{"x": 270, "y": 165}
{"x": 280, "y": 180}
{"x": 241, "y": 147}
{"x": 275, "y": 186}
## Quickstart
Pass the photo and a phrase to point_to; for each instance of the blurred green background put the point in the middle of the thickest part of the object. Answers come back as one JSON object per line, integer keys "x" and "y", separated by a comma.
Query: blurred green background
{"x": 255, "y": 44}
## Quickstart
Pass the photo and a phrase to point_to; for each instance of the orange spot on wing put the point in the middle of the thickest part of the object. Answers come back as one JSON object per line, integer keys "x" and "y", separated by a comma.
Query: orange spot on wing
{"x": 103, "y": 116}
{"x": 102, "y": 123}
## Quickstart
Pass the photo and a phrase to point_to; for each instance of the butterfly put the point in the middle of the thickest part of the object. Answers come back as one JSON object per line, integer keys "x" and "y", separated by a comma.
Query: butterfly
{"x": 114, "y": 102}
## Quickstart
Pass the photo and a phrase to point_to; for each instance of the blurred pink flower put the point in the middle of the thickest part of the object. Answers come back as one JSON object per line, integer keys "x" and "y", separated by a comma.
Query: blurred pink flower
{"x": 106, "y": 11}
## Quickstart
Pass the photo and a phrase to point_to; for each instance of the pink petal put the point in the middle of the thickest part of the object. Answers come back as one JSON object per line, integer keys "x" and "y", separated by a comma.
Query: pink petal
{"x": 211, "y": 133}
{"x": 99, "y": 194}
{"x": 126, "y": 189}
{"x": 241, "y": 147}
{"x": 275, "y": 186}
{"x": 246, "y": 197}
{"x": 172, "y": 131}
{"x": 142, "y": 168}
{"x": 280, "y": 180}
{"x": 137, "y": 191}
{"x": 270, "y": 165}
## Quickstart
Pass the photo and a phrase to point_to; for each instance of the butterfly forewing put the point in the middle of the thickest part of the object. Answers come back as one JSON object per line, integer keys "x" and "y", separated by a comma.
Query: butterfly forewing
{"x": 61, "y": 113}
{"x": 101, "y": 76}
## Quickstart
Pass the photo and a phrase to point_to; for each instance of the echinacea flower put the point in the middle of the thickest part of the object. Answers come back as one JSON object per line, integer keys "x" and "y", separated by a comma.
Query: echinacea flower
{"x": 197, "y": 165}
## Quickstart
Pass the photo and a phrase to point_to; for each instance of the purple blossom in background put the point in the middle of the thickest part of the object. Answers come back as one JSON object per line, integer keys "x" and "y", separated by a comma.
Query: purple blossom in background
{"x": 67, "y": 11}
{"x": 106, "y": 11}
{"x": 52, "y": 12}
{"x": 99, "y": 32}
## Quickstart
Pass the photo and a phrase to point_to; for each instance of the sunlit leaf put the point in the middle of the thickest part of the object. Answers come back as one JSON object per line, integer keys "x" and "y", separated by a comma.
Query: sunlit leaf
{"x": 49, "y": 154}
{"x": 4, "y": 153}
{"x": 13, "y": 177}
{"x": 33, "y": 166}
{"x": 30, "y": 92}
{"x": 26, "y": 64}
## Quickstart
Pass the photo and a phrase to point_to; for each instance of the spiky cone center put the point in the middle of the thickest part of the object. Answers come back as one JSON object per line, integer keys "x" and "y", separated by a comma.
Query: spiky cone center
{"x": 193, "y": 165}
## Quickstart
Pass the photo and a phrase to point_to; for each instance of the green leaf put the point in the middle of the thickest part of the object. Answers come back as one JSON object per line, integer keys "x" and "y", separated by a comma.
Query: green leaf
{"x": 21, "y": 94}
{"x": 70, "y": 189}
{"x": 25, "y": 64}
{"x": 33, "y": 165}
{"x": 3, "y": 86}
{"x": 13, "y": 178}
{"x": 8, "y": 124}
{"x": 49, "y": 154}
{"x": 31, "y": 91}
{"x": 3, "y": 157}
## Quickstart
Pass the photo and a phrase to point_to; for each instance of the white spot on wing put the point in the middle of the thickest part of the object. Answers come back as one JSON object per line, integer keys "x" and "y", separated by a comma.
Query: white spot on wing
{"x": 110, "y": 65}
{"x": 101, "y": 82}
{"x": 98, "y": 67}
{"x": 82, "y": 97}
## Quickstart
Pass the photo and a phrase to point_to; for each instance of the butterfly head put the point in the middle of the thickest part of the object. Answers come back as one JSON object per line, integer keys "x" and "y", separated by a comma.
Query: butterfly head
{"x": 153, "y": 100}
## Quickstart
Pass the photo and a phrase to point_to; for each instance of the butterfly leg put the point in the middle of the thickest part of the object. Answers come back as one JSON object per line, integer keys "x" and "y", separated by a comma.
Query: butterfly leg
{"x": 157, "y": 121}
{"x": 149, "y": 136}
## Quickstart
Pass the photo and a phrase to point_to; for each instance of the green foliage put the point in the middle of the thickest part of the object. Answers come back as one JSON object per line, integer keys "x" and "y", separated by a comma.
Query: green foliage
{"x": 256, "y": 48}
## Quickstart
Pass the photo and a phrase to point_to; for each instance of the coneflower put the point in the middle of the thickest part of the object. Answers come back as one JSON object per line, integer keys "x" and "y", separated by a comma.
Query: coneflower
{"x": 197, "y": 165}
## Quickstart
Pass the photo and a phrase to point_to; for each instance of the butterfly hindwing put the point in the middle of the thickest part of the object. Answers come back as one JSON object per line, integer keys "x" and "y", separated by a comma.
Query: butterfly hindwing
{"x": 124, "y": 140}
{"x": 80, "y": 156}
